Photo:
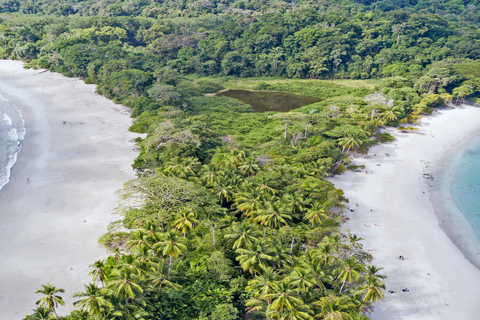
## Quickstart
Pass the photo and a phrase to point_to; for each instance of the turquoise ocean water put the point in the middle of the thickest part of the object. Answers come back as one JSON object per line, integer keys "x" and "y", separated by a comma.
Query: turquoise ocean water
{"x": 465, "y": 185}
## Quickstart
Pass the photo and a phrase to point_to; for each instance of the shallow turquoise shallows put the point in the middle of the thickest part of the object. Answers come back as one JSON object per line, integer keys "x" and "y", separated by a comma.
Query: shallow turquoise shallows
{"x": 465, "y": 185}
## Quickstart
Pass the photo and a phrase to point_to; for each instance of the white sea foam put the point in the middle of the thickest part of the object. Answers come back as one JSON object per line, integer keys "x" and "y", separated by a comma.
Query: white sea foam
{"x": 12, "y": 133}
{"x": 7, "y": 119}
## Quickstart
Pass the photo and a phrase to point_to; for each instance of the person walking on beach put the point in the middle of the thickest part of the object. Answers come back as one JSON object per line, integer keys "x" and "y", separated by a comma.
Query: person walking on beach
{"x": 28, "y": 180}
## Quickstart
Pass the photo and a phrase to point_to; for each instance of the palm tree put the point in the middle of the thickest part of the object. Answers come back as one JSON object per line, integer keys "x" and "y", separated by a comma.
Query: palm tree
{"x": 273, "y": 216}
{"x": 182, "y": 167}
{"x": 223, "y": 191}
{"x": 99, "y": 271}
{"x": 391, "y": 114}
{"x": 317, "y": 169}
{"x": 262, "y": 284}
{"x": 145, "y": 258}
{"x": 244, "y": 234}
{"x": 325, "y": 253}
{"x": 313, "y": 265}
{"x": 185, "y": 221}
{"x": 284, "y": 296}
{"x": 372, "y": 290}
{"x": 152, "y": 231}
{"x": 265, "y": 188}
{"x": 254, "y": 259}
{"x": 248, "y": 201}
{"x": 249, "y": 167}
{"x": 131, "y": 263}
{"x": 355, "y": 241}
{"x": 316, "y": 214}
{"x": 302, "y": 279}
{"x": 372, "y": 272}
{"x": 117, "y": 253}
{"x": 138, "y": 239}
{"x": 298, "y": 313}
{"x": 348, "y": 143}
{"x": 279, "y": 252}
{"x": 51, "y": 299}
{"x": 40, "y": 314}
{"x": 158, "y": 278}
{"x": 349, "y": 271}
{"x": 93, "y": 302}
{"x": 294, "y": 203}
{"x": 124, "y": 284}
{"x": 169, "y": 245}
{"x": 334, "y": 308}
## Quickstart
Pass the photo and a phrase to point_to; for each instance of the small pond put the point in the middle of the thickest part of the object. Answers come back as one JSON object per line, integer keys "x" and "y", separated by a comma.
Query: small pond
{"x": 263, "y": 101}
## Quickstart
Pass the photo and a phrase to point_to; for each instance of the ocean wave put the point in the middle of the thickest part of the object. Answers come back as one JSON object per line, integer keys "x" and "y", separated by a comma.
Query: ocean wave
{"x": 12, "y": 133}
{"x": 6, "y": 119}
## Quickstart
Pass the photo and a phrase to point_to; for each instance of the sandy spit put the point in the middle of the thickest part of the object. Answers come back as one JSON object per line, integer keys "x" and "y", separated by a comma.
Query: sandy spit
{"x": 397, "y": 210}
{"x": 49, "y": 228}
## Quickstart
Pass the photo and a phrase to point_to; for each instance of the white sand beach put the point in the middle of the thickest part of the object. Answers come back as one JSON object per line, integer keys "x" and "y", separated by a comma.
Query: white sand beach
{"x": 49, "y": 229}
{"x": 398, "y": 212}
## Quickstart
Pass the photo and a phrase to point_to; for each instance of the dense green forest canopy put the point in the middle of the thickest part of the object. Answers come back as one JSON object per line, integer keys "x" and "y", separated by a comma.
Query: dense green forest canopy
{"x": 231, "y": 216}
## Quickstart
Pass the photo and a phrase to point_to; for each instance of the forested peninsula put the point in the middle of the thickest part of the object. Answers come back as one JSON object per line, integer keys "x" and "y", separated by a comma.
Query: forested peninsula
{"x": 231, "y": 216}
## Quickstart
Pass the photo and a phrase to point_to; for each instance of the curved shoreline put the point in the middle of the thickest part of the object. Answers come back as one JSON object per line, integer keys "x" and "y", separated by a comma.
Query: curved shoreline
{"x": 49, "y": 228}
{"x": 456, "y": 225}
{"x": 396, "y": 212}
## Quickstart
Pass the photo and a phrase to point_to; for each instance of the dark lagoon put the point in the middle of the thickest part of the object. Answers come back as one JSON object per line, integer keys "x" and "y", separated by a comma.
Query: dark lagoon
{"x": 263, "y": 101}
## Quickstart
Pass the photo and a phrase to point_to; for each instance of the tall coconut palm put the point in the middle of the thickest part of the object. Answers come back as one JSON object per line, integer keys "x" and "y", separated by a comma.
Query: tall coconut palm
{"x": 138, "y": 240}
{"x": 391, "y": 114}
{"x": 372, "y": 272}
{"x": 302, "y": 279}
{"x": 313, "y": 264}
{"x": 244, "y": 234}
{"x": 294, "y": 203}
{"x": 224, "y": 191}
{"x": 185, "y": 221}
{"x": 145, "y": 258}
{"x": 117, "y": 253}
{"x": 249, "y": 167}
{"x": 51, "y": 300}
{"x": 262, "y": 284}
{"x": 248, "y": 201}
{"x": 255, "y": 259}
{"x": 130, "y": 262}
{"x": 93, "y": 302}
{"x": 169, "y": 245}
{"x": 325, "y": 253}
{"x": 123, "y": 284}
{"x": 334, "y": 308}
{"x": 98, "y": 271}
{"x": 372, "y": 290}
{"x": 280, "y": 253}
{"x": 348, "y": 143}
{"x": 274, "y": 216}
{"x": 40, "y": 314}
{"x": 182, "y": 167}
{"x": 158, "y": 278}
{"x": 317, "y": 169}
{"x": 349, "y": 271}
{"x": 153, "y": 232}
{"x": 355, "y": 241}
{"x": 284, "y": 296}
{"x": 316, "y": 214}
{"x": 298, "y": 313}
{"x": 265, "y": 187}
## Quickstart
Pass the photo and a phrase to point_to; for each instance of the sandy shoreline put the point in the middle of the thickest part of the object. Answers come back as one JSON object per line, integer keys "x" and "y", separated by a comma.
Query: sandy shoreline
{"x": 398, "y": 211}
{"x": 74, "y": 169}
